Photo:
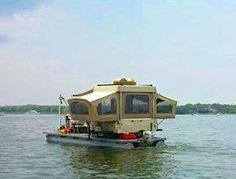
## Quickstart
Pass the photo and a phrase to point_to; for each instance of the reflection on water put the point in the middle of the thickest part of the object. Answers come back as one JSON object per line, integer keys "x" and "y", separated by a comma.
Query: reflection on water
{"x": 100, "y": 162}
{"x": 199, "y": 146}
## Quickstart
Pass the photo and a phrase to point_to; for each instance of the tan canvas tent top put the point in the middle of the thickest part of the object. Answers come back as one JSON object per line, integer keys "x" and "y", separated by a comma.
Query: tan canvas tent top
{"x": 121, "y": 100}
{"x": 91, "y": 97}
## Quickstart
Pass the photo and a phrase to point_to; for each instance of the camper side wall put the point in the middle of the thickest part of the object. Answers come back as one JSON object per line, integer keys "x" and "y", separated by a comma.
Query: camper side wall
{"x": 135, "y": 125}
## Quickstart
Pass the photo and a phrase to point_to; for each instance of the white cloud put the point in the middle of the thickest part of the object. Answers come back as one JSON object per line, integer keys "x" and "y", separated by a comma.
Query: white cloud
{"x": 53, "y": 50}
{"x": 29, "y": 73}
{"x": 23, "y": 24}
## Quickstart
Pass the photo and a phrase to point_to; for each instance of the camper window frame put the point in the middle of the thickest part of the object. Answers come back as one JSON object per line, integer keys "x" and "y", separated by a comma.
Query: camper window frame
{"x": 106, "y": 117}
{"x": 138, "y": 115}
{"x": 82, "y": 102}
{"x": 162, "y": 115}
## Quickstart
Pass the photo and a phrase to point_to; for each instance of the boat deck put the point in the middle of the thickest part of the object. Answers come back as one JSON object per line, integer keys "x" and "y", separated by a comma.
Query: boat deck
{"x": 85, "y": 136}
{"x": 82, "y": 139}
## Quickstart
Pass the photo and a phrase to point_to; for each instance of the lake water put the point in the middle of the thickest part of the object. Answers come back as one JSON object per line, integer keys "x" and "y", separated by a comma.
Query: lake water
{"x": 198, "y": 146}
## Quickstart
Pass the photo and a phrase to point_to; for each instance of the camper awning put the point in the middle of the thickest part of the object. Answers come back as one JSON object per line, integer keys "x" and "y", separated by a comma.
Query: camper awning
{"x": 95, "y": 95}
{"x": 167, "y": 99}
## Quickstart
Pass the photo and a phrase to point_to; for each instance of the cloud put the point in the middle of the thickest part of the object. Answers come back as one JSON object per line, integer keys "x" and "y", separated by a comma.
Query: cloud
{"x": 10, "y": 7}
{"x": 3, "y": 39}
{"x": 63, "y": 46}
{"x": 24, "y": 74}
{"x": 23, "y": 25}
{"x": 36, "y": 63}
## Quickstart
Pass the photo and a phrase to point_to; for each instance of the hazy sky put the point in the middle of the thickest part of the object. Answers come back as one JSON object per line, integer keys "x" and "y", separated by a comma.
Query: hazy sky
{"x": 186, "y": 48}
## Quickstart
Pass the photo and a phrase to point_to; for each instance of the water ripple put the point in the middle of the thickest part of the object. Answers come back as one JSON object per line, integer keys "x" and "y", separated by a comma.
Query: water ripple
{"x": 196, "y": 147}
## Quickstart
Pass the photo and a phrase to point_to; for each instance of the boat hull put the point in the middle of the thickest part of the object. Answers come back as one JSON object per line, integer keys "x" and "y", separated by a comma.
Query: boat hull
{"x": 81, "y": 139}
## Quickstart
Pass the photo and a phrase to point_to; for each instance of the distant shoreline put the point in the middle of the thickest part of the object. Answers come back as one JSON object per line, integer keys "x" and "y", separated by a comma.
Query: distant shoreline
{"x": 64, "y": 113}
{"x": 214, "y": 108}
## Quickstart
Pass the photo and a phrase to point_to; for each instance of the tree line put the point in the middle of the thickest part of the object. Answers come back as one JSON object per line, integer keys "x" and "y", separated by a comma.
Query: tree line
{"x": 183, "y": 109}
{"x": 206, "y": 109}
{"x": 43, "y": 109}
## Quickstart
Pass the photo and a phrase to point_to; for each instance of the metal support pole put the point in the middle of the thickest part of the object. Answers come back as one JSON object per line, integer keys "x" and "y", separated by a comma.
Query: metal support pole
{"x": 88, "y": 130}
{"x": 153, "y": 110}
{"x": 120, "y": 105}
{"x": 59, "y": 113}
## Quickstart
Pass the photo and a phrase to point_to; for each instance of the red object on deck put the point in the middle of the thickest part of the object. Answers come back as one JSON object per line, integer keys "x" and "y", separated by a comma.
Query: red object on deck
{"x": 127, "y": 136}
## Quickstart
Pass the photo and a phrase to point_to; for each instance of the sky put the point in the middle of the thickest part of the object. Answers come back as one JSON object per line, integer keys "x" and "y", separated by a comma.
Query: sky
{"x": 184, "y": 48}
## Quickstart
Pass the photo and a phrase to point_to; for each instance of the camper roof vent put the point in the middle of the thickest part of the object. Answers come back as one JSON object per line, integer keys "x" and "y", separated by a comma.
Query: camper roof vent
{"x": 124, "y": 81}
